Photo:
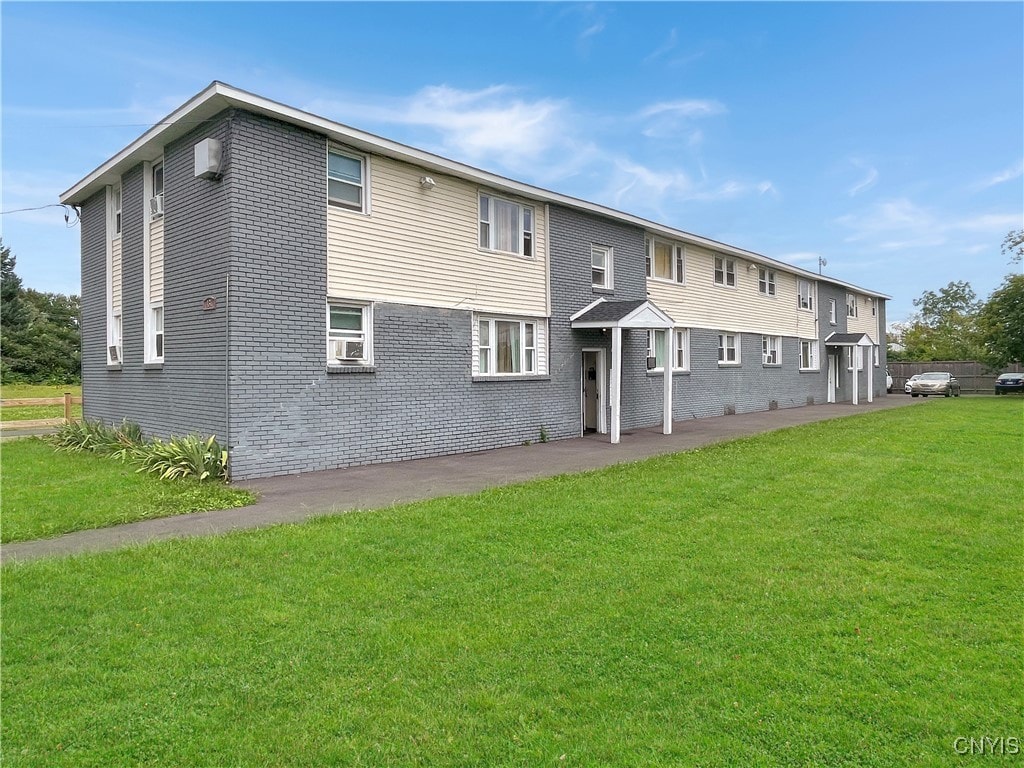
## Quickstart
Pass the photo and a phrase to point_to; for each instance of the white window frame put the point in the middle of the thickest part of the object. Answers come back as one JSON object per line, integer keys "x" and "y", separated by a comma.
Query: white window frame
{"x": 677, "y": 261}
{"x": 875, "y": 356}
{"x": 487, "y": 233}
{"x": 810, "y": 347}
{"x": 771, "y": 350}
{"x": 607, "y": 271}
{"x": 852, "y": 354}
{"x": 364, "y": 335}
{"x": 851, "y": 305}
{"x": 115, "y": 339}
{"x": 117, "y": 194}
{"x": 806, "y": 294}
{"x": 363, "y": 186}
{"x": 156, "y": 170}
{"x": 874, "y": 307}
{"x": 766, "y": 283}
{"x": 531, "y": 357}
{"x": 157, "y": 340}
{"x": 726, "y": 268}
{"x": 833, "y": 313}
{"x": 724, "y": 348}
{"x": 680, "y": 350}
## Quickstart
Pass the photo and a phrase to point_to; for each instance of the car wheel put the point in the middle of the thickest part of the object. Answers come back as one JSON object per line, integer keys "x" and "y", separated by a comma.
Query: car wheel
{"x": 949, "y": 393}
{"x": 957, "y": 394}
{"x": 913, "y": 394}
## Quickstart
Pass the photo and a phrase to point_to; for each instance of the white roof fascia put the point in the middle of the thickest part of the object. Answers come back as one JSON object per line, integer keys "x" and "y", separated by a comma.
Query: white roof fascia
{"x": 221, "y": 96}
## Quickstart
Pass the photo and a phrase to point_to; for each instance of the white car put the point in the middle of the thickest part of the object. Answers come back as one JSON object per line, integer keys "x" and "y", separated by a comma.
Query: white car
{"x": 907, "y": 387}
{"x": 888, "y": 381}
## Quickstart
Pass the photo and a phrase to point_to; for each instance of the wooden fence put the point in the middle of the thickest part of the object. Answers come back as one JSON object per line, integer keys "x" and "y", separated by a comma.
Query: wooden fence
{"x": 974, "y": 377}
{"x": 67, "y": 401}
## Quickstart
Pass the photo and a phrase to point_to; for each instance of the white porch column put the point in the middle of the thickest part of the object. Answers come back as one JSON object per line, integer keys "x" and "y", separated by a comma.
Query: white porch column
{"x": 856, "y": 375}
{"x": 666, "y": 355}
{"x": 616, "y": 382}
{"x": 869, "y": 363}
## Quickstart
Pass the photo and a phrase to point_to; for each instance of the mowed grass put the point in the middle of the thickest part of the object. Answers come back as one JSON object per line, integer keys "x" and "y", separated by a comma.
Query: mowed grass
{"x": 46, "y": 492}
{"x": 842, "y": 594}
{"x": 24, "y": 412}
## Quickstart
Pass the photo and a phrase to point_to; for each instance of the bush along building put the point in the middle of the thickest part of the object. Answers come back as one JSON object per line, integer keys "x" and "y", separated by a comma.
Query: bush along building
{"x": 319, "y": 297}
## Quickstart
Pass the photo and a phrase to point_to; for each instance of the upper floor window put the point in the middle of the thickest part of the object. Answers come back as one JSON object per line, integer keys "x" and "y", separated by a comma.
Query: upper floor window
{"x": 728, "y": 349}
{"x": 806, "y": 292}
{"x": 349, "y": 333}
{"x": 833, "y": 316}
{"x": 665, "y": 261}
{"x": 771, "y": 350}
{"x": 874, "y": 307}
{"x": 117, "y": 209}
{"x": 601, "y": 266}
{"x": 346, "y": 180}
{"x": 505, "y": 226}
{"x": 851, "y": 305}
{"x": 508, "y": 346}
{"x": 156, "y": 203}
{"x": 725, "y": 271}
{"x": 766, "y": 281}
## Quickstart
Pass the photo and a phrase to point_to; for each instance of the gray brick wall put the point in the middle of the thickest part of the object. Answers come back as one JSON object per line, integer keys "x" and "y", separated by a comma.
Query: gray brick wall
{"x": 187, "y": 394}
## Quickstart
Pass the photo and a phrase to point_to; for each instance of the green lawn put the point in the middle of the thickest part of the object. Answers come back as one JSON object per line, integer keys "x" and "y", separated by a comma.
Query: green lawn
{"x": 24, "y": 412}
{"x": 47, "y": 492}
{"x": 842, "y": 594}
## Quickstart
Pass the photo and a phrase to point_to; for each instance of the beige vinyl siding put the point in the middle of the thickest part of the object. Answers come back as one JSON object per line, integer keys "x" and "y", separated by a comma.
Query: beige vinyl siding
{"x": 156, "y": 261}
{"x": 115, "y": 275}
{"x": 864, "y": 322}
{"x": 420, "y": 247}
{"x": 702, "y": 304}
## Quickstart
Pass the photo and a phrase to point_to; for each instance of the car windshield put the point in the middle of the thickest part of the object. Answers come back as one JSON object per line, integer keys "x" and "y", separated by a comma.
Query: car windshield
{"x": 1004, "y": 376}
{"x": 934, "y": 376}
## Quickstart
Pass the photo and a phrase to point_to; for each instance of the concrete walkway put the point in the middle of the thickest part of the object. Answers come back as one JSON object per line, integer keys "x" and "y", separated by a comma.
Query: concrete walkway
{"x": 294, "y": 498}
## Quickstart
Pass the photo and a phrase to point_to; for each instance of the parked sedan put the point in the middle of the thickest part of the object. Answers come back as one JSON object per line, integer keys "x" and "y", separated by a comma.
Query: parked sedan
{"x": 935, "y": 383}
{"x": 1010, "y": 382}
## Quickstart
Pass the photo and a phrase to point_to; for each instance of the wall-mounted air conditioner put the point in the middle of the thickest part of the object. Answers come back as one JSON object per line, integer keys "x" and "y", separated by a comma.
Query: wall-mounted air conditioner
{"x": 156, "y": 205}
{"x": 115, "y": 353}
{"x": 348, "y": 350}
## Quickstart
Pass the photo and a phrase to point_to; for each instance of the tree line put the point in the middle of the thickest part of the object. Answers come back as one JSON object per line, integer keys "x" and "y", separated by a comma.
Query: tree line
{"x": 952, "y": 324}
{"x": 40, "y": 339}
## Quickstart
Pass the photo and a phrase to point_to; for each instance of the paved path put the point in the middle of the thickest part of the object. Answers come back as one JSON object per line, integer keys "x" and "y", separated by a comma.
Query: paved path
{"x": 295, "y": 498}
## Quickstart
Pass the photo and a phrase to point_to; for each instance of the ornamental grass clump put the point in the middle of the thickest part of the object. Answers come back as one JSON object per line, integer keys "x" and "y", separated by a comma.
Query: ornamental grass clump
{"x": 180, "y": 457}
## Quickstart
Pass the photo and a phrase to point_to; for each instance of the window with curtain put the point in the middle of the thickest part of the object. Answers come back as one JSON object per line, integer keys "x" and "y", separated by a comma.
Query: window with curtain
{"x": 507, "y": 346}
{"x": 505, "y": 226}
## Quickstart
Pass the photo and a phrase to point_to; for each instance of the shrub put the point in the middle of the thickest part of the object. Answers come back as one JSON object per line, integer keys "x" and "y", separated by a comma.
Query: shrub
{"x": 189, "y": 456}
{"x": 95, "y": 436}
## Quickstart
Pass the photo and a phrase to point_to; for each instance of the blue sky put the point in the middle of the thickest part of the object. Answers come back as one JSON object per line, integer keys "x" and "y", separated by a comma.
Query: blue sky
{"x": 887, "y": 138}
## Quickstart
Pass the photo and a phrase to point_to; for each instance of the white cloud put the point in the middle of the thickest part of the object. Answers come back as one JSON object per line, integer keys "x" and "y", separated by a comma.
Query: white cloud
{"x": 675, "y": 119}
{"x": 869, "y": 180}
{"x": 684, "y": 108}
{"x": 664, "y": 48}
{"x": 1007, "y": 174}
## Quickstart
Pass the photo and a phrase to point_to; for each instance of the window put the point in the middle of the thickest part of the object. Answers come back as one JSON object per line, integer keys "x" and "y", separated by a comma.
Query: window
{"x": 346, "y": 185}
{"x": 505, "y": 226}
{"x": 728, "y": 349}
{"x": 806, "y": 300}
{"x": 766, "y": 281}
{"x": 771, "y": 350}
{"x": 874, "y": 307}
{"x": 156, "y": 203}
{"x": 852, "y": 354}
{"x": 508, "y": 346}
{"x": 158, "y": 332}
{"x": 832, "y": 314}
{"x": 680, "y": 349}
{"x": 808, "y": 355}
{"x": 349, "y": 333}
{"x": 851, "y": 305}
{"x": 874, "y": 355}
{"x": 117, "y": 210}
{"x": 601, "y": 266}
{"x": 665, "y": 261}
{"x": 725, "y": 272}
{"x": 114, "y": 355}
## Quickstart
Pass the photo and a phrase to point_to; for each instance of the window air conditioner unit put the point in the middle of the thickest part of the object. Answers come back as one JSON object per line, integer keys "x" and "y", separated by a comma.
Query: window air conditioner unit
{"x": 115, "y": 353}
{"x": 348, "y": 350}
{"x": 156, "y": 205}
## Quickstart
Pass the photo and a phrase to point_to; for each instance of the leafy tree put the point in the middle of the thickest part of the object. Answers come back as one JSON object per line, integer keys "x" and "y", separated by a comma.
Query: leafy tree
{"x": 945, "y": 327}
{"x": 1002, "y": 323}
{"x": 1013, "y": 245}
{"x": 40, "y": 340}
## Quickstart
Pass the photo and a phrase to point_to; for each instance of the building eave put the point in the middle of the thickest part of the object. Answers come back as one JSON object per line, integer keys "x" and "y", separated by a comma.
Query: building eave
{"x": 219, "y": 96}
